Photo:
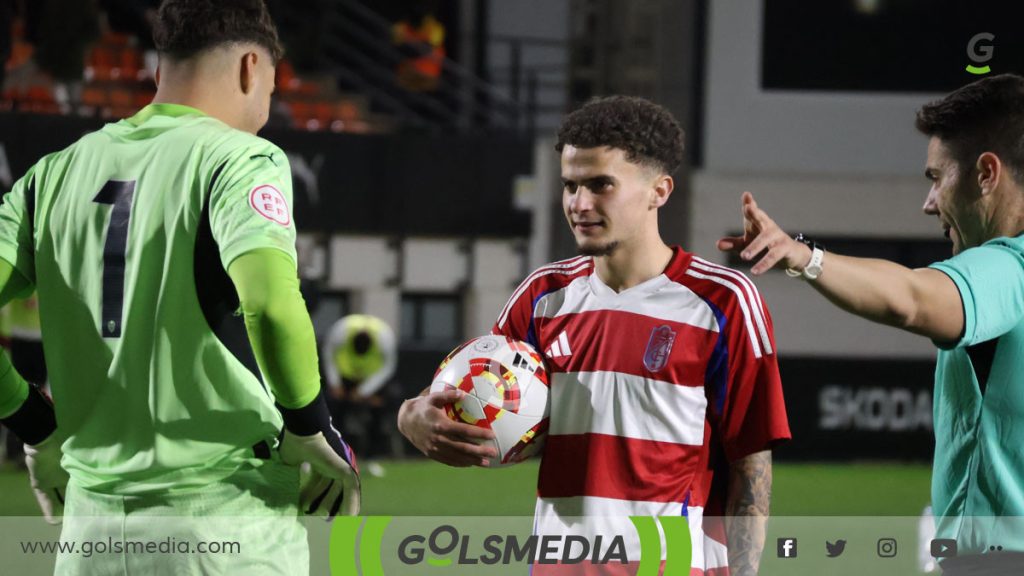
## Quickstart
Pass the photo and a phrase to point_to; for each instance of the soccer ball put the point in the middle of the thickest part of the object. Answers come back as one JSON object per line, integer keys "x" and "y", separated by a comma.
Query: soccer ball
{"x": 506, "y": 390}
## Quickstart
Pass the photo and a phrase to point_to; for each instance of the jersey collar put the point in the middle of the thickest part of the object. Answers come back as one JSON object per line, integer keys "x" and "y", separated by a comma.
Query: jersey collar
{"x": 163, "y": 109}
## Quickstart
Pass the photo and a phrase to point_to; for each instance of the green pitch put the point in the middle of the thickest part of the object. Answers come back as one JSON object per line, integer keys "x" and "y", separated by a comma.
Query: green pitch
{"x": 414, "y": 488}
{"x": 422, "y": 488}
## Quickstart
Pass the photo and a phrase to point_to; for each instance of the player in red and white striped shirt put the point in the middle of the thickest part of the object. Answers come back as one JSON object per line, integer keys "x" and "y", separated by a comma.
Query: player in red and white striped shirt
{"x": 666, "y": 398}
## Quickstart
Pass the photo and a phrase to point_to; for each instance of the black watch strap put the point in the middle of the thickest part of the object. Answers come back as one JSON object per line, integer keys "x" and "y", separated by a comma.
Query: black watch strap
{"x": 810, "y": 242}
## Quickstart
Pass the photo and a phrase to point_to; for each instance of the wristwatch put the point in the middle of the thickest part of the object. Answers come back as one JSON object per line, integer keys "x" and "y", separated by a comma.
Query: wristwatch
{"x": 813, "y": 268}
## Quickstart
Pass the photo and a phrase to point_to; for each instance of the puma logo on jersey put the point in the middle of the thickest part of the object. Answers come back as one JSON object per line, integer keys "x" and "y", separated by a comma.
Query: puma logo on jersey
{"x": 267, "y": 156}
{"x": 560, "y": 347}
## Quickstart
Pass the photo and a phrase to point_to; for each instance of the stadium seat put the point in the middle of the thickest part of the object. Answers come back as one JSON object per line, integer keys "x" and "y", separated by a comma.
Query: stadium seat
{"x": 94, "y": 96}
{"x": 122, "y": 98}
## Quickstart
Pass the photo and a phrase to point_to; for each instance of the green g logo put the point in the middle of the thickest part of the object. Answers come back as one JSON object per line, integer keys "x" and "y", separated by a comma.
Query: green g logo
{"x": 980, "y": 53}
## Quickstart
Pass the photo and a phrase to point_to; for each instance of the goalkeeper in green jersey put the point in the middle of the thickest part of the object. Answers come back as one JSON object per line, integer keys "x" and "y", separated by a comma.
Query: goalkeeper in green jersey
{"x": 143, "y": 240}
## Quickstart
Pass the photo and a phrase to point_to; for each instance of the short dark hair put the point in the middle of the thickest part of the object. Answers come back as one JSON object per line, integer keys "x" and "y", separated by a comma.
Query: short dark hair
{"x": 185, "y": 28}
{"x": 983, "y": 116}
{"x": 645, "y": 131}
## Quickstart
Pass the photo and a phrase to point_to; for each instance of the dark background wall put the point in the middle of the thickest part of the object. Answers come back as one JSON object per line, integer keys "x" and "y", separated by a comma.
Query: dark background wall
{"x": 408, "y": 184}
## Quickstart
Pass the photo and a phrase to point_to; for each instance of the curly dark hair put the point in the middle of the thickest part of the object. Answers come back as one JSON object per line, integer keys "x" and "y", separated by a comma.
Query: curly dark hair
{"x": 645, "y": 131}
{"x": 983, "y": 116}
{"x": 185, "y": 28}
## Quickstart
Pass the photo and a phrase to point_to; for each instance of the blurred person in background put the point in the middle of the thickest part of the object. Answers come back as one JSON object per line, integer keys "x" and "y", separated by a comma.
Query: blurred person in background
{"x": 359, "y": 357}
{"x": 420, "y": 37}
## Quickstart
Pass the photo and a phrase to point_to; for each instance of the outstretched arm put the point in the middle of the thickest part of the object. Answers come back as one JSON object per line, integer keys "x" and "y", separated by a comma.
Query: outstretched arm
{"x": 749, "y": 494}
{"x": 923, "y": 301}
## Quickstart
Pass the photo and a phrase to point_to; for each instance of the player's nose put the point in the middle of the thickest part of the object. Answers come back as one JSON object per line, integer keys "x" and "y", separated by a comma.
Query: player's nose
{"x": 582, "y": 200}
{"x": 931, "y": 205}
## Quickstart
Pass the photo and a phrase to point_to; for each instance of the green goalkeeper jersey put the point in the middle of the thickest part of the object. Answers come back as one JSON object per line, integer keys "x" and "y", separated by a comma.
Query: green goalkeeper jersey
{"x": 127, "y": 236}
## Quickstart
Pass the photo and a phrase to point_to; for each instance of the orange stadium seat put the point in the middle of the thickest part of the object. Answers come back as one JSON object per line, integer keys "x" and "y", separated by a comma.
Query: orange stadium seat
{"x": 347, "y": 111}
{"x": 122, "y": 98}
{"x": 94, "y": 96}
{"x": 323, "y": 112}
{"x": 286, "y": 80}
{"x": 302, "y": 112}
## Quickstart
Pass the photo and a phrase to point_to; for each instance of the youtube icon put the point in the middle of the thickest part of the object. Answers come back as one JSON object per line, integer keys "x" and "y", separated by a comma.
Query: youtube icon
{"x": 943, "y": 548}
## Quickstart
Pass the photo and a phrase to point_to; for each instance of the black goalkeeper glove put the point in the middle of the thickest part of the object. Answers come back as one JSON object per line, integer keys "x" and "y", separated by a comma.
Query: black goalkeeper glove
{"x": 36, "y": 425}
{"x": 309, "y": 436}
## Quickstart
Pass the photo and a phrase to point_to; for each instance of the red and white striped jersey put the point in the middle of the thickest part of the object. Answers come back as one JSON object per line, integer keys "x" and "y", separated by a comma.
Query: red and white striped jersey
{"x": 653, "y": 391}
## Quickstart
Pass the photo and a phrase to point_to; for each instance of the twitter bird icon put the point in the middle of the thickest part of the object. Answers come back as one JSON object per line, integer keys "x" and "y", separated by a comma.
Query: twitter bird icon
{"x": 834, "y": 550}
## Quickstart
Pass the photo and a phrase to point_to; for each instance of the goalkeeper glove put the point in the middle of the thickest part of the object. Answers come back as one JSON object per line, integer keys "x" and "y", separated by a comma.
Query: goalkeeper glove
{"x": 36, "y": 424}
{"x": 309, "y": 436}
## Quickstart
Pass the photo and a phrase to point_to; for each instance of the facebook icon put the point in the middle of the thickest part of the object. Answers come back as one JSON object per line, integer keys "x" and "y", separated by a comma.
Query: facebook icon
{"x": 787, "y": 547}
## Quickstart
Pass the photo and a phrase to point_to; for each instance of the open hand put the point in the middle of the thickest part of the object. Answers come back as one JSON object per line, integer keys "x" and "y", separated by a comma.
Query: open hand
{"x": 764, "y": 243}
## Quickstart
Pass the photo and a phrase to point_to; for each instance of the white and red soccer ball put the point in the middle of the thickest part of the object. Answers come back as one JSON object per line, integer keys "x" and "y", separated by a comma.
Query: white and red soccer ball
{"x": 506, "y": 391}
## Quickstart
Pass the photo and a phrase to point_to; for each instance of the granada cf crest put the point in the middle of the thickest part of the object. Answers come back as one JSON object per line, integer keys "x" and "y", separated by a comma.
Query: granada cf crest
{"x": 658, "y": 348}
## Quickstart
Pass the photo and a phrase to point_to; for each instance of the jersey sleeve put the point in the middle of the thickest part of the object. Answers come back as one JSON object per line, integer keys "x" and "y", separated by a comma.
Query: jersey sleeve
{"x": 990, "y": 279}
{"x": 16, "y": 246}
{"x": 747, "y": 404}
{"x": 516, "y": 318}
{"x": 519, "y": 318}
{"x": 251, "y": 203}
{"x": 279, "y": 328}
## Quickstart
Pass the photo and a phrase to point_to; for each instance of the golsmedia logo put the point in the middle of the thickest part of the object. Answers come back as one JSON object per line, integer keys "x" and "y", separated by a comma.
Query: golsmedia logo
{"x": 360, "y": 547}
{"x": 979, "y": 51}
{"x": 506, "y": 549}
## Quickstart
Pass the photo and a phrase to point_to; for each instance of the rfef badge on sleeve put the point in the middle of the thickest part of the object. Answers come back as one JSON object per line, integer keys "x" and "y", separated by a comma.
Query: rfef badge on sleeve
{"x": 268, "y": 202}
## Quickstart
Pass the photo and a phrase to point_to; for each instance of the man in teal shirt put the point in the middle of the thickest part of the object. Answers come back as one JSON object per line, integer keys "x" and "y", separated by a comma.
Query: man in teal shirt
{"x": 971, "y": 306}
{"x": 144, "y": 239}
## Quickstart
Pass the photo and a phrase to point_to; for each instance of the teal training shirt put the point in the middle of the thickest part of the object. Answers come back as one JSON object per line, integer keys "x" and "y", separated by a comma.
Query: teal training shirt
{"x": 127, "y": 235}
{"x": 978, "y": 476}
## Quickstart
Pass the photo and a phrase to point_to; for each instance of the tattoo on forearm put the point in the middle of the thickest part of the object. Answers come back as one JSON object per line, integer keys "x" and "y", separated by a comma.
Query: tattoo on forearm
{"x": 750, "y": 491}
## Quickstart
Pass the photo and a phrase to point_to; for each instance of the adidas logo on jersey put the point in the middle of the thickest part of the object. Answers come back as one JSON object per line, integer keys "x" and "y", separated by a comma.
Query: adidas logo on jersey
{"x": 560, "y": 347}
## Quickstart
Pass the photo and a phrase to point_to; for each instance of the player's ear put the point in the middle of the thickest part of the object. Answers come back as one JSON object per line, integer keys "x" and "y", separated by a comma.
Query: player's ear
{"x": 989, "y": 168}
{"x": 247, "y": 72}
{"x": 663, "y": 187}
